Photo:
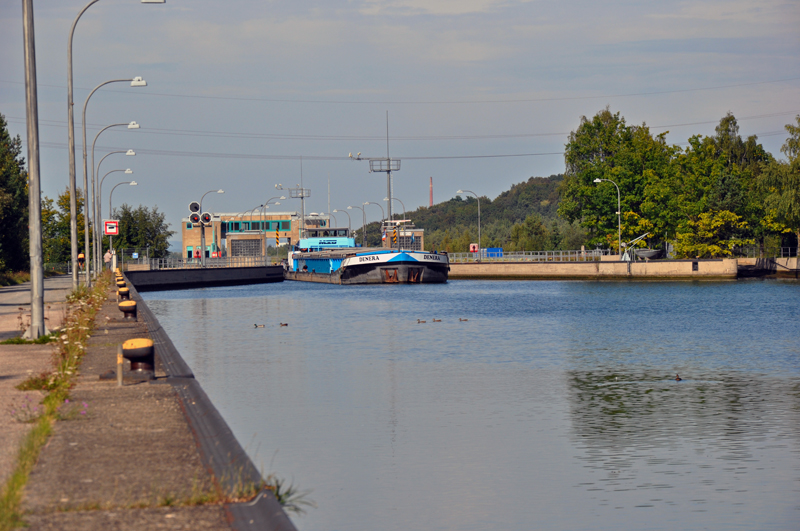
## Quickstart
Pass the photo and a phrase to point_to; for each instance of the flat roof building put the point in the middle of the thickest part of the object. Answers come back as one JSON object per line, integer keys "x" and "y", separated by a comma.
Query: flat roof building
{"x": 246, "y": 233}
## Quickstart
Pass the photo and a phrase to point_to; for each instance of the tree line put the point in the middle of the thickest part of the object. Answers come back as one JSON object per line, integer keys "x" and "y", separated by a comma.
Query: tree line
{"x": 702, "y": 200}
{"x": 139, "y": 227}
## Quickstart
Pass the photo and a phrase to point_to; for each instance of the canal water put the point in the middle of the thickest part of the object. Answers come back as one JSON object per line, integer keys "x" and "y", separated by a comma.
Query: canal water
{"x": 552, "y": 406}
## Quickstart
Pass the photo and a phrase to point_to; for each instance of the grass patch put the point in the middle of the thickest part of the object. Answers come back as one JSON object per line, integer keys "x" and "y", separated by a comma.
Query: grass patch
{"x": 41, "y": 340}
{"x": 11, "y": 495}
{"x": 13, "y": 278}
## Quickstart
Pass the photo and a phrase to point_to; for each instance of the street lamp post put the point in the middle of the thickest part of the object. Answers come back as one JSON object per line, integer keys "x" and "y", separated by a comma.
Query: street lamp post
{"x": 95, "y": 200}
{"x": 98, "y": 241}
{"x": 335, "y": 220}
{"x": 379, "y": 206}
{"x": 348, "y": 218}
{"x": 100, "y": 190}
{"x": 73, "y": 203}
{"x": 37, "y": 328}
{"x": 265, "y": 206}
{"x": 203, "y": 228}
{"x": 363, "y": 225}
{"x": 619, "y": 215}
{"x": 479, "y": 218}
{"x": 110, "y": 195}
{"x": 135, "y": 82}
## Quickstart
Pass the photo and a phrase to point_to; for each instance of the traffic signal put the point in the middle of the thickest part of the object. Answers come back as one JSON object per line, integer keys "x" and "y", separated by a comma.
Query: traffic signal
{"x": 205, "y": 218}
{"x": 194, "y": 206}
{"x": 194, "y": 217}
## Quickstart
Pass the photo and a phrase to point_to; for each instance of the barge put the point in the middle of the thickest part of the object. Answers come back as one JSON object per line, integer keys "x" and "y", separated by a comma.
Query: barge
{"x": 331, "y": 256}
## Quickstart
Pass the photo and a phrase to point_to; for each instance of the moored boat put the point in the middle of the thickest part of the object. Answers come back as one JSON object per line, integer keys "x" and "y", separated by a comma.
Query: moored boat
{"x": 331, "y": 256}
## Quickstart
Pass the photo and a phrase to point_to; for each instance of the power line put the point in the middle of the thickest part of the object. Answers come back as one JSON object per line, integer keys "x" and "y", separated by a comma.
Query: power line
{"x": 275, "y": 136}
{"x": 433, "y": 102}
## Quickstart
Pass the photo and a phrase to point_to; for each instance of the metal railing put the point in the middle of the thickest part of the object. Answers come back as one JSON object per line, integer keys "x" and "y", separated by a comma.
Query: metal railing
{"x": 531, "y": 256}
{"x": 757, "y": 251}
{"x": 229, "y": 261}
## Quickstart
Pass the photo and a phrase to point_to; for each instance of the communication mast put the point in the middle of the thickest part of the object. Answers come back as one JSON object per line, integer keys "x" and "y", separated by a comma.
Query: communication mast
{"x": 383, "y": 165}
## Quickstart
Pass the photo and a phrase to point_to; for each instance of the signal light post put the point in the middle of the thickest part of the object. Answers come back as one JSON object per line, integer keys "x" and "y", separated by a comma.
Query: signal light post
{"x": 205, "y": 218}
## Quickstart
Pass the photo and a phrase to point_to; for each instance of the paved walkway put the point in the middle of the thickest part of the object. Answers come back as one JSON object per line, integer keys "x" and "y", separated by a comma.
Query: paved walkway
{"x": 125, "y": 464}
{"x": 15, "y": 305}
{"x": 17, "y": 362}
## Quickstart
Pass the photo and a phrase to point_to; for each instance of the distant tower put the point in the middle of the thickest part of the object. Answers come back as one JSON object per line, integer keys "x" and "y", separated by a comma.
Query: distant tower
{"x": 430, "y": 201}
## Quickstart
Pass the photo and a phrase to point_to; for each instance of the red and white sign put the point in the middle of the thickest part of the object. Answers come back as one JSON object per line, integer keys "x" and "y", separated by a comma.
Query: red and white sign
{"x": 111, "y": 227}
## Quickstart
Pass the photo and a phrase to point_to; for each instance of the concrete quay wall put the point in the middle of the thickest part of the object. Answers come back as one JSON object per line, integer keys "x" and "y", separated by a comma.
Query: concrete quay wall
{"x": 604, "y": 270}
{"x": 197, "y": 277}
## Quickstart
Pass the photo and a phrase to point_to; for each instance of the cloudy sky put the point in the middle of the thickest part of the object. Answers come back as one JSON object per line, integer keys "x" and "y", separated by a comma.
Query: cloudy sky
{"x": 480, "y": 94}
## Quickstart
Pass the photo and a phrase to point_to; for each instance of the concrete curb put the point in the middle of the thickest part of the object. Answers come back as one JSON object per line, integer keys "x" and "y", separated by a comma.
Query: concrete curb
{"x": 219, "y": 449}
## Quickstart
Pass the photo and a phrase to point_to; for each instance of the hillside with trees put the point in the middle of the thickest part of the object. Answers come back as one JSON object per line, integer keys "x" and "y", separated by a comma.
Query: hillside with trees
{"x": 717, "y": 193}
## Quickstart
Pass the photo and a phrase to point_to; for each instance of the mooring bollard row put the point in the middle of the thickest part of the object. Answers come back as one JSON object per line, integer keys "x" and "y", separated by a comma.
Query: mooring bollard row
{"x": 141, "y": 353}
{"x": 128, "y": 308}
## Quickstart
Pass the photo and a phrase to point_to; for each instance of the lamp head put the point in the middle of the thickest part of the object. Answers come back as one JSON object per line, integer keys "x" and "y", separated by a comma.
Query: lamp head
{"x": 385, "y": 198}
{"x": 130, "y": 153}
{"x": 129, "y": 170}
{"x": 154, "y": 1}
{"x": 133, "y": 125}
{"x": 138, "y": 82}
{"x": 282, "y": 198}
{"x": 134, "y": 183}
{"x": 276, "y": 203}
{"x": 459, "y": 191}
{"x": 335, "y": 210}
{"x": 220, "y": 191}
{"x": 349, "y": 208}
{"x": 598, "y": 180}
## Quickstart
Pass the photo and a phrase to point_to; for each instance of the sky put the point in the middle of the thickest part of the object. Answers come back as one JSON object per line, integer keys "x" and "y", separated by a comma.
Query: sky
{"x": 480, "y": 94}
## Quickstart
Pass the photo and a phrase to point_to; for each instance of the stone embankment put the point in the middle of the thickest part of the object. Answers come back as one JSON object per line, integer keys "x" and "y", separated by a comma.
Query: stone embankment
{"x": 723, "y": 269}
{"x": 146, "y": 455}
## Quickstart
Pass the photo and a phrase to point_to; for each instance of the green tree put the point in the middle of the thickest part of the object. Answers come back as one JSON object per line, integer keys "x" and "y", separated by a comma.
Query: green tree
{"x": 14, "y": 251}
{"x": 530, "y": 235}
{"x": 605, "y": 147}
{"x": 713, "y": 235}
{"x": 56, "y": 246}
{"x": 781, "y": 182}
{"x": 142, "y": 228}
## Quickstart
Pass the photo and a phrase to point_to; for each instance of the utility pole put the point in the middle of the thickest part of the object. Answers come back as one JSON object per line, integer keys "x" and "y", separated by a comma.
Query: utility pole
{"x": 37, "y": 328}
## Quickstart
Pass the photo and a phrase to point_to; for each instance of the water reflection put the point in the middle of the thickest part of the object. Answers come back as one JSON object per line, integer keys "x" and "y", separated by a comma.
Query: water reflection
{"x": 706, "y": 437}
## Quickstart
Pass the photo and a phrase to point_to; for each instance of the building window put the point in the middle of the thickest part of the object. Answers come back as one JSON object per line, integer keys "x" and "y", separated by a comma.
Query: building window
{"x": 286, "y": 225}
{"x": 189, "y": 226}
{"x": 189, "y": 252}
{"x": 246, "y": 247}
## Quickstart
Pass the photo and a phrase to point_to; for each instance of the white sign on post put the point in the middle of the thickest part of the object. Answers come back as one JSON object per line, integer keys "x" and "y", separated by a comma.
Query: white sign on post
{"x": 111, "y": 227}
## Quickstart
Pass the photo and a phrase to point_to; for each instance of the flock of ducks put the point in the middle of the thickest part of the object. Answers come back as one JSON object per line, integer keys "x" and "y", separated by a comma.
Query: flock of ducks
{"x": 262, "y": 326}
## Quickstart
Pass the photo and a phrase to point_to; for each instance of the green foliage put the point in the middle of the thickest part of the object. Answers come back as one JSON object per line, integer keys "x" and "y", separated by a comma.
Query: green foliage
{"x": 713, "y": 235}
{"x": 56, "y": 245}
{"x": 781, "y": 184}
{"x": 142, "y": 227}
{"x": 665, "y": 190}
{"x": 530, "y": 235}
{"x": 14, "y": 251}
